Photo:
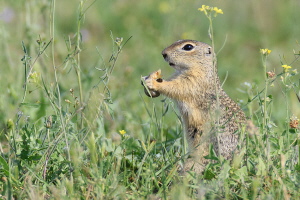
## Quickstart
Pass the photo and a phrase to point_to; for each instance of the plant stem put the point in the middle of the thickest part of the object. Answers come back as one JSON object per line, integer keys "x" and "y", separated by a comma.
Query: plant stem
{"x": 265, "y": 113}
{"x": 59, "y": 109}
{"x": 211, "y": 33}
{"x": 78, "y": 68}
{"x": 265, "y": 96}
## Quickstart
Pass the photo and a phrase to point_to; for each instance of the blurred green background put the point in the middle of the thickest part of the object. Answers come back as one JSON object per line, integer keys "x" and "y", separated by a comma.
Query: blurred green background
{"x": 244, "y": 28}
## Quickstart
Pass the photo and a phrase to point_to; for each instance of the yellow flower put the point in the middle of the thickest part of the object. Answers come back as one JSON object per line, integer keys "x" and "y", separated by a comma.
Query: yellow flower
{"x": 122, "y": 132}
{"x": 204, "y": 8}
{"x": 265, "y": 51}
{"x": 286, "y": 67}
{"x": 218, "y": 11}
{"x": 207, "y": 9}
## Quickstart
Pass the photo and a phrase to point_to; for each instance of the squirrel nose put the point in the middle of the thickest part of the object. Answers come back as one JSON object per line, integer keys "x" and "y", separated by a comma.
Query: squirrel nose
{"x": 164, "y": 55}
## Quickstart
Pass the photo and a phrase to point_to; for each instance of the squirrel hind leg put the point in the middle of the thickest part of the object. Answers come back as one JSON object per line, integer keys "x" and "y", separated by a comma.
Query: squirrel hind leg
{"x": 192, "y": 165}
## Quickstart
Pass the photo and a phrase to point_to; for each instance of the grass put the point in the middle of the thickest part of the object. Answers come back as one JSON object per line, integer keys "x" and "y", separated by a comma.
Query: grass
{"x": 75, "y": 123}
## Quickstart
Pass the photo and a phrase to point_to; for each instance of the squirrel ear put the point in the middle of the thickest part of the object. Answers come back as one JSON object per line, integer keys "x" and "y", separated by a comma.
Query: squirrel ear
{"x": 209, "y": 50}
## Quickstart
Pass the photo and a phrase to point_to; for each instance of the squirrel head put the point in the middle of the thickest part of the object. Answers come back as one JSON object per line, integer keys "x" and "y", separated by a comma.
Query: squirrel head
{"x": 186, "y": 54}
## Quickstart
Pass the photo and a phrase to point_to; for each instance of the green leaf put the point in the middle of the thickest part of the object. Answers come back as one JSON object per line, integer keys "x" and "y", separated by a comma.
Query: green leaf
{"x": 242, "y": 172}
{"x": 4, "y": 164}
{"x": 297, "y": 167}
{"x": 131, "y": 144}
{"x": 118, "y": 152}
{"x": 274, "y": 142}
{"x": 270, "y": 97}
{"x": 209, "y": 174}
{"x": 293, "y": 130}
{"x": 35, "y": 158}
{"x": 261, "y": 167}
{"x": 224, "y": 174}
{"x": 107, "y": 145}
{"x": 212, "y": 155}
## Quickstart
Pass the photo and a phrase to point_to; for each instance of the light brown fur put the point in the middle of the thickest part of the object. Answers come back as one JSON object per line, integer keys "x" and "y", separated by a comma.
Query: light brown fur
{"x": 208, "y": 114}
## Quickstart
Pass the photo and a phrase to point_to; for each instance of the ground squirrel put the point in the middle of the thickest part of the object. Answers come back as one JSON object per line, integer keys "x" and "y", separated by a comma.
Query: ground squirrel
{"x": 202, "y": 102}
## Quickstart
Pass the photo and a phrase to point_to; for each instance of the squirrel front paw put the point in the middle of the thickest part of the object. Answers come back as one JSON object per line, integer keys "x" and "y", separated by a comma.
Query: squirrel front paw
{"x": 150, "y": 83}
{"x": 152, "y": 79}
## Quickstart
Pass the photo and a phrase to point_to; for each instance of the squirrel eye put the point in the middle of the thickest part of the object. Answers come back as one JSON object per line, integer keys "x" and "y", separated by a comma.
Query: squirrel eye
{"x": 188, "y": 47}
